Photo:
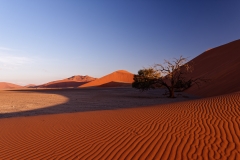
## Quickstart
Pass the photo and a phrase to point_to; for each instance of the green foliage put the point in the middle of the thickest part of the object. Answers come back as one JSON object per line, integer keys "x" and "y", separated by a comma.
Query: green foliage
{"x": 146, "y": 79}
{"x": 172, "y": 75}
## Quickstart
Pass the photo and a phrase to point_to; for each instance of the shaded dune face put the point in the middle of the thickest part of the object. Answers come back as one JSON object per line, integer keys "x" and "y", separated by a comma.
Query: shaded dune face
{"x": 30, "y": 86}
{"x": 62, "y": 84}
{"x": 72, "y": 82}
{"x": 118, "y": 78}
{"x": 199, "y": 129}
{"x": 221, "y": 65}
{"x": 5, "y": 85}
{"x": 116, "y": 84}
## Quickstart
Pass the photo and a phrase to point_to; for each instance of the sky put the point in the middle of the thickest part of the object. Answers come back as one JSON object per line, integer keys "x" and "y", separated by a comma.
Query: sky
{"x": 46, "y": 40}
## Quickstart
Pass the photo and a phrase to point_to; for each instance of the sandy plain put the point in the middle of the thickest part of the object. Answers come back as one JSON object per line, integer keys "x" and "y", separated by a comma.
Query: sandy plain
{"x": 117, "y": 123}
{"x": 122, "y": 123}
{"x": 30, "y": 102}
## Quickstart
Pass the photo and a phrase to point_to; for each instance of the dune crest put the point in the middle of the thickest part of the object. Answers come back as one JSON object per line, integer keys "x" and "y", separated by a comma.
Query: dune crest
{"x": 80, "y": 78}
{"x": 71, "y": 82}
{"x": 221, "y": 66}
{"x": 120, "y": 76}
{"x": 6, "y": 85}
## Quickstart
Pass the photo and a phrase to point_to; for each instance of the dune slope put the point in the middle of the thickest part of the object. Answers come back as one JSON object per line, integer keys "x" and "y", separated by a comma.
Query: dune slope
{"x": 73, "y": 81}
{"x": 221, "y": 66}
{"x": 199, "y": 129}
{"x": 5, "y": 85}
{"x": 118, "y": 78}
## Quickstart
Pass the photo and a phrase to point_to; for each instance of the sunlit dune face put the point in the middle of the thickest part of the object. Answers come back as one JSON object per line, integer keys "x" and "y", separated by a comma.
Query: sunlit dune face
{"x": 208, "y": 49}
{"x": 12, "y": 101}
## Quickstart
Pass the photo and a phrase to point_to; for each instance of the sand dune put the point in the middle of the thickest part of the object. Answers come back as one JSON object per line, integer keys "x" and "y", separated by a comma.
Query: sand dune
{"x": 120, "y": 76}
{"x": 199, "y": 129}
{"x": 5, "y": 85}
{"x": 30, "y": 86}
{"x": 221, "y": 65}
{"x": 113, "y": 124}
{"x": 62, "y": 84}
{"x": 70, "y": 82}
{"x": 116, "y": 84}
{"x": 80, "y": 78}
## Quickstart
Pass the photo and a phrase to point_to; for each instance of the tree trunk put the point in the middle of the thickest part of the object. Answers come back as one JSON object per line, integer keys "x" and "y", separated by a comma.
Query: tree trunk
{"x": 171, "y": 93}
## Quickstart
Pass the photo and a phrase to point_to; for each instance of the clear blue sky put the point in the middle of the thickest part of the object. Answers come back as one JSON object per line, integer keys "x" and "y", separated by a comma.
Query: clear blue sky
{"x": 45, "y": 40}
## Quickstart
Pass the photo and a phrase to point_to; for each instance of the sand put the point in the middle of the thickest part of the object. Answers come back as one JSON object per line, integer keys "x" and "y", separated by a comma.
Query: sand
{"x": 193, "y": 129}
{"x": 116, "y": 84}
{"x": 62, "y": 84}
{"x": 31, "y": 102}
{"x": 121, "y": 123}
{"x": 221, "y": 66}
{"x": 120, "y": 76}
{"x": 71, "y": 82}
{"x": 6, "y": 85}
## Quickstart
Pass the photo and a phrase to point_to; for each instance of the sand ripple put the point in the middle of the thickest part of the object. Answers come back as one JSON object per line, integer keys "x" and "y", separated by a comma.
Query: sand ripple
{"x": 199, "y": 129}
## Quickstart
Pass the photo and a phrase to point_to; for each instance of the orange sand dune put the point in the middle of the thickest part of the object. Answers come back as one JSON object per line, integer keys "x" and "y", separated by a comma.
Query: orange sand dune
{"x": 199, "y": 129}
{"x": 116, "y": 84}
{"x": 5, "y": 85}
{"x": 73, "y": 81}
{"x": 221, "y": 65}
{"x": 80, "y": 78}
{"x": 30, "y": 86}
{"x": 62, "y": 84}
{"x": 120, "y": 76}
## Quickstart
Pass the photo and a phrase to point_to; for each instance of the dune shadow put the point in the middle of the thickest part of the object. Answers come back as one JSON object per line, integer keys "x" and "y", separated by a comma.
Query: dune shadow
{"x": 92, "y": 99}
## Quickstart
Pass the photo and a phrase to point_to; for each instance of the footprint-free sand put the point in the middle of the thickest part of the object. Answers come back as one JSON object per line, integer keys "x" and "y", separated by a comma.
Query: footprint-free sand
{"x": 118, "y": 124}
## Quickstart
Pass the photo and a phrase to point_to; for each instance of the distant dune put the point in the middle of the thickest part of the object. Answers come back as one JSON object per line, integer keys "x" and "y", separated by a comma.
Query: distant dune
{"x": 222, "y": 66}
{"x": 116, "y": 84}
{"x": 30, "y": 86}
{"x": 115, "y": 79}
{"x": 80, "y": 78}
{"x": 71, "y": 82}
{"x": 5, "y": 85}
{"x": 103, "y": 127}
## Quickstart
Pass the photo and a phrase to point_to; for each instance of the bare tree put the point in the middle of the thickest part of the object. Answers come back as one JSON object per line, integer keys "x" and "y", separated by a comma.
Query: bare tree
{"x": 173, "y": 75}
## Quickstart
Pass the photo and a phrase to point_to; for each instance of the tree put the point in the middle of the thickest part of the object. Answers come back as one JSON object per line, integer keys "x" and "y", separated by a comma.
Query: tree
{"x": 172, "y": 75}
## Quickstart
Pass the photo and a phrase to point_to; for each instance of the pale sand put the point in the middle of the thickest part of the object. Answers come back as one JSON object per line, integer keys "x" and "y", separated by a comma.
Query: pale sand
{"x": 53, "y": 101}
{"x": 196, "y": 129}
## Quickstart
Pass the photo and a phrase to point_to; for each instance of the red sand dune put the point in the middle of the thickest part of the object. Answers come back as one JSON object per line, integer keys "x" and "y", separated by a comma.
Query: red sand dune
{"x": 5, "y": 85}
{"x": 62, "y": 84}
{"x": 199, "y": 129}
{"x": 80, "y": 78}
{"x": 30, "y": 86}
{"x": 120, "y": 76}
{"x": 116, "y": 84}
{"x": 222, "y": 66}
{"x": 73, "y": 81}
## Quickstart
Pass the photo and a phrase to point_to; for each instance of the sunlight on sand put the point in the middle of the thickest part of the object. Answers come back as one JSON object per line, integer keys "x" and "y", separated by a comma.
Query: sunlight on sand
{"x": 17, "y": 101}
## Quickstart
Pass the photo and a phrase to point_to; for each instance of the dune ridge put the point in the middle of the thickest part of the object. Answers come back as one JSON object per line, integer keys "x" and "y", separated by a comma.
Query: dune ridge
{"x": 80, "y": 78}
{"x": 198, "y": 129}
{"x": 30, "y": 86}
{"x": 117, "y": 78}
{"x": 6, "y": 85}
{"x": 71, "y": 82}
{"x": 221, "y": 66}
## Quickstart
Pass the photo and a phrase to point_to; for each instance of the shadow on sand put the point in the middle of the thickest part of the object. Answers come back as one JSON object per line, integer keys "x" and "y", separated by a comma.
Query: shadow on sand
{"x": 96, "y": 99}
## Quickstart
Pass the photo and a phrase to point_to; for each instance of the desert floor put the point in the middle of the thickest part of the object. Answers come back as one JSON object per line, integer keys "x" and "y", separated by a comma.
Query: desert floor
{"x": 117, "y": 123}
{"x": 30, "y": 102}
